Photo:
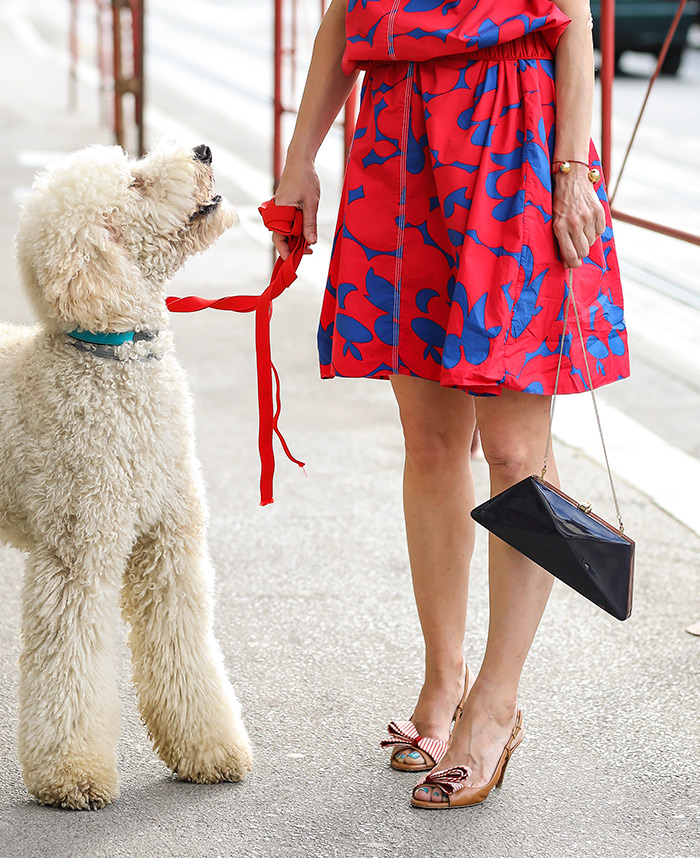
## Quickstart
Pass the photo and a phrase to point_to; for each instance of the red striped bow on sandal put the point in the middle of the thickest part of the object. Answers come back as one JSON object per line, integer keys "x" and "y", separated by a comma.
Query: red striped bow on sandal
{"x": 404, "y": 733}
{"x": 449, "y": 780}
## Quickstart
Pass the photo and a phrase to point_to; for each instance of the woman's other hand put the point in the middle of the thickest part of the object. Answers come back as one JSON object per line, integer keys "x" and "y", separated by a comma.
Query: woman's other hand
{"x": 578, "y": 215}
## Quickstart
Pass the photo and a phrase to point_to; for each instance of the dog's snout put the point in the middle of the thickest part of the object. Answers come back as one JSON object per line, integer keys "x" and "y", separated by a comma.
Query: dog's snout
{"x": 202, "y": 153}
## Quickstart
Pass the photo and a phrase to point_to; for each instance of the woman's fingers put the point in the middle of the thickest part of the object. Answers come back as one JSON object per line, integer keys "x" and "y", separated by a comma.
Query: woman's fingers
{"x": 600, "y": 220}
{"x": 589, "y": 230}
{"x": 281, "y": 244}
{"x": 581, "y": 243}
{"x": 567, "y": 249}
{"x": 310, "y": 223}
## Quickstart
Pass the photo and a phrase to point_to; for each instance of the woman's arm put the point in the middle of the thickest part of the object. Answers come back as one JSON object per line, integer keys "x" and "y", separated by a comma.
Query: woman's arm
{"x": 326, "y": 91}
{"x": 578, "y": 216}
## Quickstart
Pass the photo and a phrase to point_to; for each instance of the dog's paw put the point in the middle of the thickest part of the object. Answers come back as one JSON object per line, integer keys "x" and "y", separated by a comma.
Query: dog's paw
{"x": 216, "y": 765}
{"x": 76, "y": 789}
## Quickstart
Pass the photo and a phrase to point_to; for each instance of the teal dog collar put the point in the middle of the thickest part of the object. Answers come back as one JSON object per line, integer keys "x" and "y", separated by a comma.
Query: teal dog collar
{"x": 102, "y": 339}
{"x": 103, "y": 345}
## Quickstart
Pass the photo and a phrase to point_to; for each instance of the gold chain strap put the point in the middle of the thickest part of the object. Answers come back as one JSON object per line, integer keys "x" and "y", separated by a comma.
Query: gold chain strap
{"x": 570, "y": 298}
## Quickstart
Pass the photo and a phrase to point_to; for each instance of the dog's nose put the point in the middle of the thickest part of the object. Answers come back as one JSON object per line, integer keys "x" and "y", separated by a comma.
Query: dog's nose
{"x": 202, "y": 153}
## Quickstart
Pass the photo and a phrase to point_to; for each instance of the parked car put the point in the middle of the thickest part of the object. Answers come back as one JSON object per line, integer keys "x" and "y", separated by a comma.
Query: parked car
{"x": 642, "y": 27}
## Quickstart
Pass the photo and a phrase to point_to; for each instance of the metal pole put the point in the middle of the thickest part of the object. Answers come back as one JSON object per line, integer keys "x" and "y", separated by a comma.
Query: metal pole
{"x": 117, "y": 71}
{"x": 277, "y": 99}
{"x": 103, "y": 49}
{"x": 607, "y": 77}
{"x": 652, "y": 81}
{"x": 73, "y": 44}
{"x": 656, "y": 227}
{"x": 137, "y": 15}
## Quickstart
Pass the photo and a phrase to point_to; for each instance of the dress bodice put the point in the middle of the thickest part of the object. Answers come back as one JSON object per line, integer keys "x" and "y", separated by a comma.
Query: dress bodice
{"x": 405, "y": 30}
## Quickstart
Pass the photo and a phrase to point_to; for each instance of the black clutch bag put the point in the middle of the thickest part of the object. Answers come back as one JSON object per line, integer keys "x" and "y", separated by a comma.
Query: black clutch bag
{"x": 563, "y": 536}
{"x": 560, "y": 535}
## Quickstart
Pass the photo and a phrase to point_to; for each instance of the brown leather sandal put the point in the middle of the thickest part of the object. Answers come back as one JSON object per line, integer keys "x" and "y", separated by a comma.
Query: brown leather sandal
{"x": 451, "y": 782}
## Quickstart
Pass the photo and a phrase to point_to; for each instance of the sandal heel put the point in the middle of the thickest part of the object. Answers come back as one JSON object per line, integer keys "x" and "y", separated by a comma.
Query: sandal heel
{"x": 499, "y": 782}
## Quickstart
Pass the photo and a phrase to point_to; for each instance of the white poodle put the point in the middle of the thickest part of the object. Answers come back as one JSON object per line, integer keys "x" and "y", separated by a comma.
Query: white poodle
{"x": 99, "y": 480}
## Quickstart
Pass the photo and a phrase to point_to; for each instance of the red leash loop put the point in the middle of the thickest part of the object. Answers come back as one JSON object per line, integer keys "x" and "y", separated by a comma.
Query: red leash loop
{"x": 287, "y": 220}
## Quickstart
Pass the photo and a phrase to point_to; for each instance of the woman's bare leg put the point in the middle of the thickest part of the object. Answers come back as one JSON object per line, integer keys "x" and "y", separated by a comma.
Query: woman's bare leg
{"x": 513, "y": 430}
{"x": 438, "y": 425}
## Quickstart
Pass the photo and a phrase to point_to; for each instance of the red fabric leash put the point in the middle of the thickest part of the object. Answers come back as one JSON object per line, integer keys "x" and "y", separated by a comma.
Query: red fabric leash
{"x": 288, "y": 221}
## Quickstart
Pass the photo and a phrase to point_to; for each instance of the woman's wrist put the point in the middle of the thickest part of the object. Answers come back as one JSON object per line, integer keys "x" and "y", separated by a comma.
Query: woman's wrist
{"x": 301, "y": 150}
{"x": 572, "y": 159}
{"x": 576, "y": 169}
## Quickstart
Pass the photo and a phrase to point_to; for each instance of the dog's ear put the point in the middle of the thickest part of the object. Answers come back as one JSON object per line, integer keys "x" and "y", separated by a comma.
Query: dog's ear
{"x": 142, "y": 184}
{"x": 93, "y": 283}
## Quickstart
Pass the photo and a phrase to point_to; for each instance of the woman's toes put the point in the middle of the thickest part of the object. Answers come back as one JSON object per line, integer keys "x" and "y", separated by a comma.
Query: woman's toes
{"x": 429, "y": 793}
{"x": 409, "y": 757}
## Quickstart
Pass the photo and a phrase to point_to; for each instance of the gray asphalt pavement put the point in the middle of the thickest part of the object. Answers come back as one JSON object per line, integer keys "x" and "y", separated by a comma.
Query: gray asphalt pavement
{"x": 316, "y": 617}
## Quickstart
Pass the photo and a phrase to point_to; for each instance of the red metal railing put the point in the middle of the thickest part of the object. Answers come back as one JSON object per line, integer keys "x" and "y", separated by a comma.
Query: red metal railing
{"x": 286, "y": 49}
{"x": 127, "y": 67}
{"x": 607, "y": 76}
{"x": 120, "y": 53}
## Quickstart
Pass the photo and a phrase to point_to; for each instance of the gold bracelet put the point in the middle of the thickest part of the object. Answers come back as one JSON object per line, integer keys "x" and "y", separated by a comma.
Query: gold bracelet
{"x": 565, "y": 167}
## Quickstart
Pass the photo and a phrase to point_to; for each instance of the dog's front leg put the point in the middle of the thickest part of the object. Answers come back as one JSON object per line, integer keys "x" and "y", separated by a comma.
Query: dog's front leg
{"x": 69, "y": 710}
{"x": 185, "y": 699}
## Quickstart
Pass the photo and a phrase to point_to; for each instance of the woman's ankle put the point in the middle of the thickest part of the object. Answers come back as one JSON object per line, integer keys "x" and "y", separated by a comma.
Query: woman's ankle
{"x": 493, "y": 701}
{"x": 445, "y": 672}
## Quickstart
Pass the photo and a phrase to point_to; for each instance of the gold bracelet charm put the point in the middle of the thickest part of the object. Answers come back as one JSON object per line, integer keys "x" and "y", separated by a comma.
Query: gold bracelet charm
{"x": 565, "y": 167}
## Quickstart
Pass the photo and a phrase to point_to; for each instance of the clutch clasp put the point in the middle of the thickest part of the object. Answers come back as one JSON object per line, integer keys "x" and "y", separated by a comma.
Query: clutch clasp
{"x": 584, "y": 507}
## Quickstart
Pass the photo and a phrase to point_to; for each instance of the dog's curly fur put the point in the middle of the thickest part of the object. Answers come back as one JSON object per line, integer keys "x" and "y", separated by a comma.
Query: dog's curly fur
{"x": 99, "y": 481}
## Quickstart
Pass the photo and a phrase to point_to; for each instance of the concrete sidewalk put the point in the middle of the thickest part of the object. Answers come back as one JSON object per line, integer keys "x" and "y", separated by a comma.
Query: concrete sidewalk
{"x": 316, "y": 617}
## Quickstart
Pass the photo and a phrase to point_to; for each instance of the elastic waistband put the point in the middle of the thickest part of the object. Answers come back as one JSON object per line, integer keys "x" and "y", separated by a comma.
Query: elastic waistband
{"x": 530, "y": 47}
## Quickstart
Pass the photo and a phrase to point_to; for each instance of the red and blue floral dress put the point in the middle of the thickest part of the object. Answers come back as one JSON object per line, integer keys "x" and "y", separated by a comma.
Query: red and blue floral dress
{"x": 444, "y": 263}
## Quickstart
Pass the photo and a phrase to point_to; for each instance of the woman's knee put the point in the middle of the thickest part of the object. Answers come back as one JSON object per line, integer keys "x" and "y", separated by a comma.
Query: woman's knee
{"x": 512, "y": 459}
{"x": 514, "y": 434}
{"x": 431, "y": 448}
{"x": 438, "y": 423}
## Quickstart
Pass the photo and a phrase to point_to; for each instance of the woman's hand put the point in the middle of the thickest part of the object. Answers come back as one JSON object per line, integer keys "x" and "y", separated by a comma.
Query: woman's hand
{"x": 578, "y": 215}
{"x": 298, "y": 187}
